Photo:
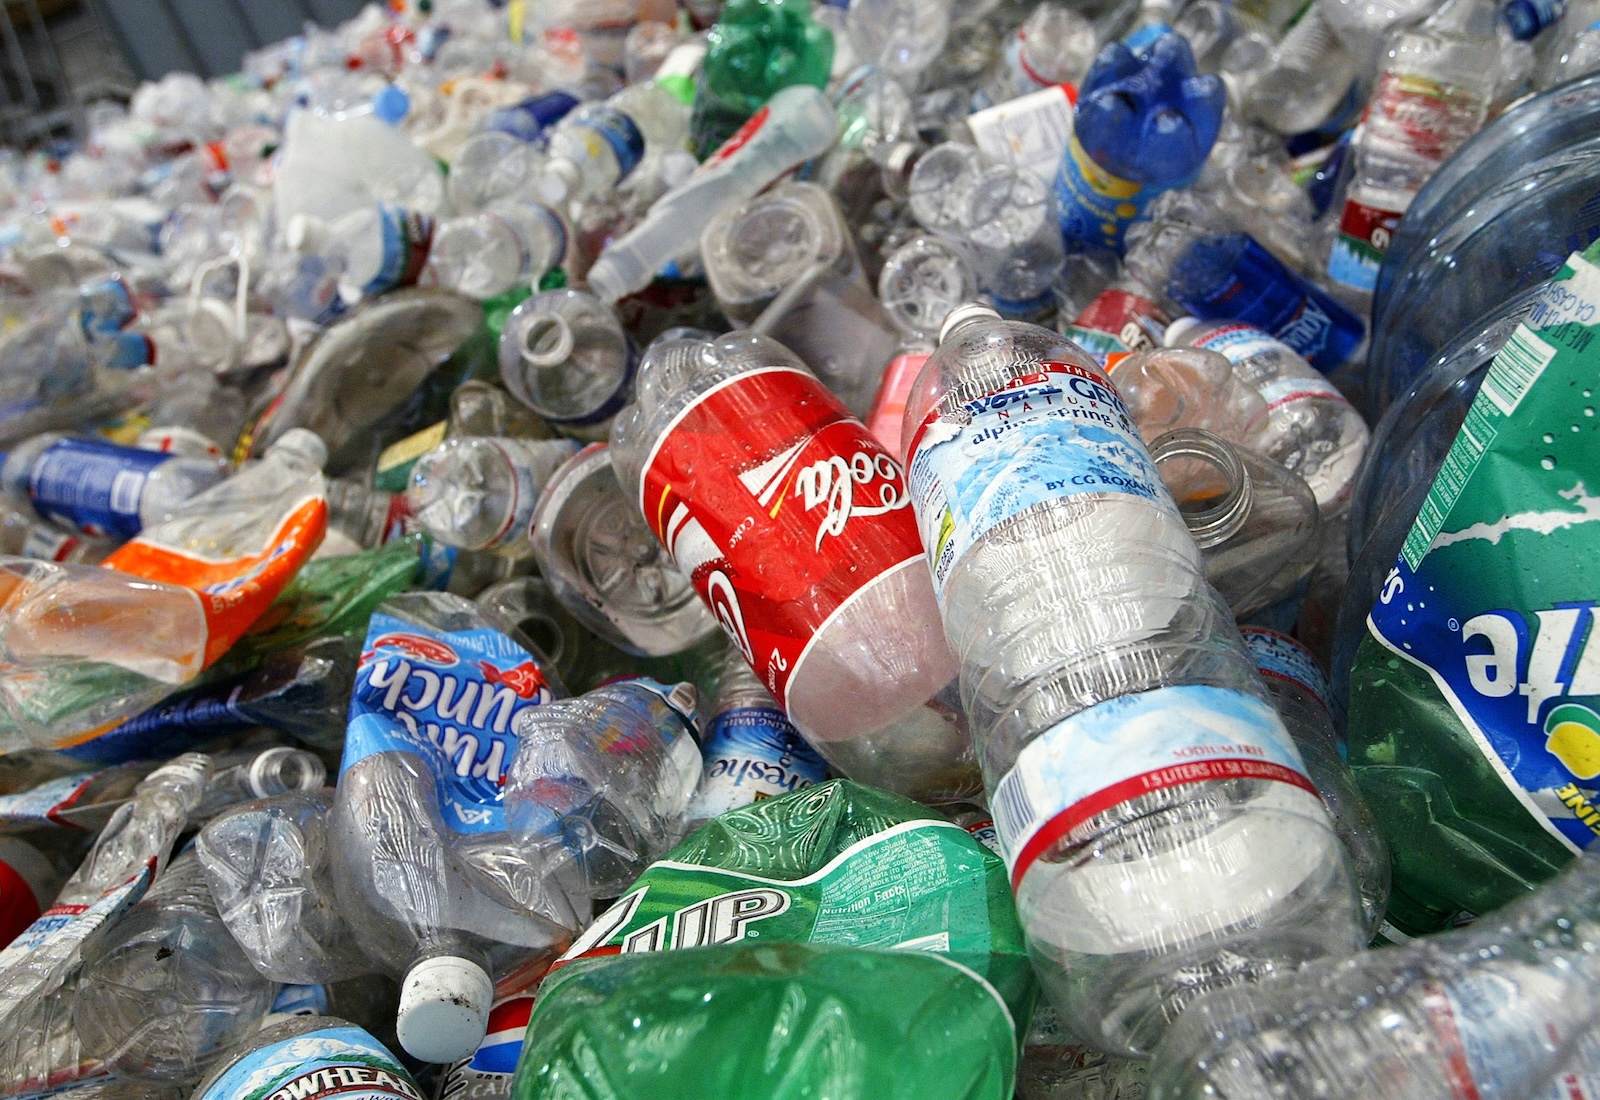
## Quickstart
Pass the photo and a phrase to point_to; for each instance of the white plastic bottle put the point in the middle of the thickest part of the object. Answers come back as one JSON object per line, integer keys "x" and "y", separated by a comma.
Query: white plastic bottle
{"x": 1162, "y": 835}
{"x": 796, "y": 124}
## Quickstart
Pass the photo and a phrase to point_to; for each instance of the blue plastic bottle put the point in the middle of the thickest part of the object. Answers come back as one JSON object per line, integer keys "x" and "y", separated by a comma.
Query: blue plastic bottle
{"x": 1145, "y": 123}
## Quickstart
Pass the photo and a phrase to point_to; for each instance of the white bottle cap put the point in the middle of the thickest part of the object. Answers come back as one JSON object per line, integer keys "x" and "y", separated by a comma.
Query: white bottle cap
{"x": 1173, "y": 337}
{"x": 304, "y": 442}
{"x": 962, "y": 314}
{"x": 444, "y": 1009}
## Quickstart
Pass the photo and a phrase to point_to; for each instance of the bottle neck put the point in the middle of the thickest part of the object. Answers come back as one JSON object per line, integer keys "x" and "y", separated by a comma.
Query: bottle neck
{"x": 1222, "y": 493}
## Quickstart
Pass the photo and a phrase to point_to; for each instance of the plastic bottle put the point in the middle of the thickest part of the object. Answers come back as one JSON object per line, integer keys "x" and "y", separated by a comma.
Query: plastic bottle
{"x": 360, "y": 517}
{"x": 605, "y": 565}
{"x": 100, "y": 488}
{"x": 795, "y": 125}
{"x": 1494, "y": 1009}
{"x": 494, "y": 167}
{"x": 24, "y": 535}
{"x": 1015, "y": 244}
{"x": 899, "y": 37}
{"x": 757, "y": 49}
{"x": 305, "y": 1052}
{"x": 1433, "y": 94}
{"x": 1162, "y": 835}
{"x": 1145, "y": 123}
{"x": 752, "y": 751}
{"x": 478, "y": 492}
{"x": 784, "y": 264}
{"x": 28, "y": 884}
{"x": 1256, "y": 523}
{"x": 269, "y": 867}
{"x": 1311, "y": 428}
{"x": 598, "y": 146}
{"x": 1054, "y": 45}
{"x": 168, "y": 989}
{"x": 601, "y": 783}
{"x": 1290, "y": 82}
{"x": 819, "y": 586}
{"x": 375, "y": 248}
{"x": 565, "y": 355}
{"x": 246, "y": 774}
{"x": 940, "y": 188}
{"x": 502, "y": 246}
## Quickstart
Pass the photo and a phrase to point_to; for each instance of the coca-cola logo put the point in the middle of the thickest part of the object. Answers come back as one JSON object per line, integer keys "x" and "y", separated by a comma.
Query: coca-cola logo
{"x": 417, "y": 647}
{"x": 724, "y": 603}
{"x": 868, "y": 483}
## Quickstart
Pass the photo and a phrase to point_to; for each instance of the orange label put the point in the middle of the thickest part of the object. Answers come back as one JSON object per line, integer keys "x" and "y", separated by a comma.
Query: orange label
{"x": 234, "y": 592}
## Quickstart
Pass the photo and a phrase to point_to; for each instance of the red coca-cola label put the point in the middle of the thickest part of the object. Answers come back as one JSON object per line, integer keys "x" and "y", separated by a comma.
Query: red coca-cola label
{"x": 18, "y": 907}
{"x": 779, "y": 506}
{"x": 1371, "y": 226}
{"x": 1123, "y": 315}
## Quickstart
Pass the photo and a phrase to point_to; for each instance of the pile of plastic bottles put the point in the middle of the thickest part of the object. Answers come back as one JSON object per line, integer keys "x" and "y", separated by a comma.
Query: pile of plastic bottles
{"x": 780, "y": 548}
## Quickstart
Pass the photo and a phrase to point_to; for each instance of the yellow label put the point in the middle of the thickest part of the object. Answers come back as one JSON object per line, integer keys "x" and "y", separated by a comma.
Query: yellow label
{"x": 412, "y": 446}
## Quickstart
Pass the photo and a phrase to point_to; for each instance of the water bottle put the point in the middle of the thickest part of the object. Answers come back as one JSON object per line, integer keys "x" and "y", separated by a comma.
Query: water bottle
{"x": 1145, "y": 123}
{"x": 494, "y": 167}
{"x": 168, "y": 989}
{"x": 361, "y": 517}
{"x": 1010, "y": 229}
{"x": 1255, "y": 523}
{"x": 1161, "y": 832}
{"x": 757, "y": 49}
{"x": 793, "y": 525}
{"x": 1300, "y": 691}
{"x": 241, "y": 775}
{"x": 605, "y": 565}
{"x": 100, "y": 488}
{"x": 419, "y": 839}
{"x": 752, "y": 751}
{"x": 1290, "y": 82}
{"x": 1054, "y": 45}
{"x": 598, "y": 146}
{"x": 1494, "y": 1009}
{"x": 785, "y": 264}
{"x": 1168, "y": 389}
{"x": 940, "y": 188}
{"x": 374, "y": 248}
{"x": 269, "y": 867}
{"x": 601, "y": 783}
{"x": 478, "y": 492}
{"x": 306, "y": 1055}
{"x": 1433, "y": 94}
{"x": 485, "y": 254}
{"x": 1228, "y": 276}
{"x": 899, "y": 37}
{"x": 795, "y": 125}
{"x": 1311, "y": 428}
{"x": 564, "y": 354}
{"x": 24, "y": 535}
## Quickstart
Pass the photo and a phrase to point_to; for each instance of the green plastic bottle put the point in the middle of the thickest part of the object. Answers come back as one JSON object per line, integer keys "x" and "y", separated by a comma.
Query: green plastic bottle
{"x": 757, "y": 48}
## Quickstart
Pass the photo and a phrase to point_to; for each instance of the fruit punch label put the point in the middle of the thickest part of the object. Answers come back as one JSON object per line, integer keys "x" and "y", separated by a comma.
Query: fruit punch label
{"x": 1057, "y": 430}
{"x": 1495, "y": 597}
{"x": 779, "y": 506}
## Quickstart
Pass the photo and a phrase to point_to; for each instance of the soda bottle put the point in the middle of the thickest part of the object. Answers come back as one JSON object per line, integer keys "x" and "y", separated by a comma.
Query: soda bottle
{"x": 168, "y": 989}
{"x": 756, "y": 49}
{"x": 1145, "y": 123}
{"x": 478, "y": 493}
{"x": 793, "y": 524}
{"x": 1160, "y": 830}
{"x": 564, "y": 354}
{"x": 752, "y": 751}
{"x": 100, "y": 488}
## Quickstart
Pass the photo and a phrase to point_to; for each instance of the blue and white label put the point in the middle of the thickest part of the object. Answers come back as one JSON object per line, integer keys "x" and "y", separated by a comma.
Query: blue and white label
{"x": 452, "y": 699}
{"x": 336, "y": 1060}
{"x": 1281, "y": 656}
{"x": 619, "y": 132}
{"x": 296, "y": 1000}
{"x": 93, "y": 486}
{"x": 752, "y": 753}
{"x": 1056, "y": 431}
{"x": 1131, "y": 746}
{"x": 40, "y": 805}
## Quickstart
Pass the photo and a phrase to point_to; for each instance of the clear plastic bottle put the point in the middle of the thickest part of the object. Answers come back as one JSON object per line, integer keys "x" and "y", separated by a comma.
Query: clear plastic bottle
{"x": 1289, "y": 82}
{"x": 752, "y": 751}
{"x": 598, "y": 146}
{"x": 793, "y": 525}
{"x": 899, "y": 37}
{"x": 601, "y": 783}
{"x": 100, "y": 488}
{"x": 797, "y": 124}
{"x": 1494, "y": 1009}
{"x": 241, "y": 775}
{"x": 489, "y": 252}
{"x": 940, "y": 188}
{"x": 270, "y": 871}
{"x": 606, "y": 566}
{"x": 565, "y": 355}
{"x": 1255, "y": 522}
{"x": 785, "y": 264}
{"x": 1311, "y": 428}
{"x": 1055, "y": 45}
{"x": 360, "y": 517}
{"x": 1011, "y": 229}
{"x": 25, "y": 535}
{"x": 168, "y": 989}
{"x": 1162, "y": 835}
{"x": 1433, "y": 93}
{"x": 494, "y": 167}
{"x": 478, "y": 492}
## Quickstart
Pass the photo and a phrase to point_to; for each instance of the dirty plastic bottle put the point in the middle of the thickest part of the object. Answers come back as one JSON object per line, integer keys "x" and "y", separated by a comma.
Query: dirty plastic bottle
{"x": 601, "y": 783}
{"x": 100, "y": 488}
{"x": 564, "y": 354}
{"x": 478, "y": 492}
{"x": 796, "y": 124}
{"x": 1161, "y": 832}
{"x": 168, "y": 989}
